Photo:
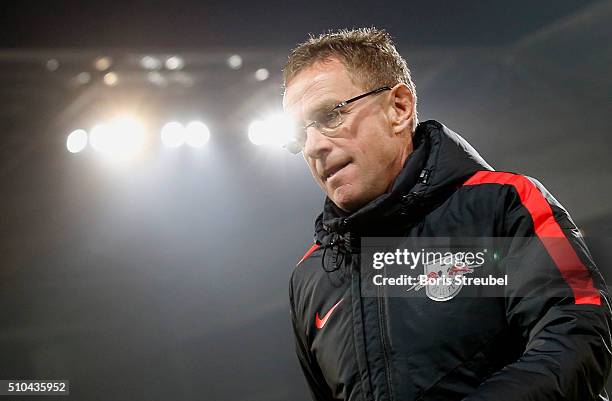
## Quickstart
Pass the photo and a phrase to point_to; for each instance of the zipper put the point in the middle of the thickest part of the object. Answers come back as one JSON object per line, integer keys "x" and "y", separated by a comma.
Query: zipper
{"x": 384, "y": 341}
{"x": 359, "y": 332}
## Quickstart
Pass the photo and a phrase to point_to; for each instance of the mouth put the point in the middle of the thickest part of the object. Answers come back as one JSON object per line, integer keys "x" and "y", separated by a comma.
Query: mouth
{"x": 329, "y": 173}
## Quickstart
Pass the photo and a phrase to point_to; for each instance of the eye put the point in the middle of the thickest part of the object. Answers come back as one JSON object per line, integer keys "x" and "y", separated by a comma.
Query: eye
{"x": 330, "y": 119}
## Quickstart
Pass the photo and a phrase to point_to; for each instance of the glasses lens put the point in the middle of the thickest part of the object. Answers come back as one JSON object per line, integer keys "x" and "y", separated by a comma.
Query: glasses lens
{"x": 331, "y": 120}
{"x": 297, "y": 140}
{"x": 326, "y": 123}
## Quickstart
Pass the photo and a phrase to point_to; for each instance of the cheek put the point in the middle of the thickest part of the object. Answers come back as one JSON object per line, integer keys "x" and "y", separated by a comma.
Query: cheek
{"x": 313, "y": 172}
{"x": 377, "y": 161}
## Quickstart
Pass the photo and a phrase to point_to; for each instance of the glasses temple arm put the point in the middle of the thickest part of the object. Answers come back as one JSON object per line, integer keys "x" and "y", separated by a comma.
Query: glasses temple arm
{"x": 340, "y": 105}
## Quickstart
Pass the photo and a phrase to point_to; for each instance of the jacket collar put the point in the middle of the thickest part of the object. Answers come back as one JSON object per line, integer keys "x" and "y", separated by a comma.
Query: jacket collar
{"x": 441, "y": 161}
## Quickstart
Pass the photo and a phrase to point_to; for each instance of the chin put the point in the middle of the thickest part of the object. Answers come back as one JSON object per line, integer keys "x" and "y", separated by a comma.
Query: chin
{"x": 342, "y": 203}
{"x": 347, "y": 202}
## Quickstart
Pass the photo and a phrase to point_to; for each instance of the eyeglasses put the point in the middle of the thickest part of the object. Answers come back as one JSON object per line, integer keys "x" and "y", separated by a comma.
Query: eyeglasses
{"x": 326, "y": 122}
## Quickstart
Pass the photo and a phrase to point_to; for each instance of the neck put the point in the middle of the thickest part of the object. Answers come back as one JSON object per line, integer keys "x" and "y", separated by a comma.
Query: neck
{"x": 405, "y": 151}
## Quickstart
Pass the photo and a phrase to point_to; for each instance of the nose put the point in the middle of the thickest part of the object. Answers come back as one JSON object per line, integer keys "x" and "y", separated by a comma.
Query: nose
{"x": 317, "y": 145}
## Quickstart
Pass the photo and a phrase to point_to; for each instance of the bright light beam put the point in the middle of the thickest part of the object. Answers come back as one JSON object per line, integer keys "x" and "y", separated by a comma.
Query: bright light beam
{"x": 281, "y": 129}
{"x": 278, "y": 130}
{"x": 121, "y": 139}
{"x": 257, "y": 132}
{"x": 76, "y": 141}
{"x": 99, "y": 137}
{"x": 173, "y": 134}
{"x": 197, "y": 134}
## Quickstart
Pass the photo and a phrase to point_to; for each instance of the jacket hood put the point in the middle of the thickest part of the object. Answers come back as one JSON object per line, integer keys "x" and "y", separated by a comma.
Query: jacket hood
{"x": 441, "y": 161}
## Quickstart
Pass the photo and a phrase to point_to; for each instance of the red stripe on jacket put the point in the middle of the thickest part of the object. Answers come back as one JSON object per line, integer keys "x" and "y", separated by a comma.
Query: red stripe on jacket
{"x": 308, "y": 253}
{"x": 574, "y": 272}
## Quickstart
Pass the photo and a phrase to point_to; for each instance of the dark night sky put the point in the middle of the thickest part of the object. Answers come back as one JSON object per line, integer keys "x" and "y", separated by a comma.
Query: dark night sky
{"x": 205, "y": 24}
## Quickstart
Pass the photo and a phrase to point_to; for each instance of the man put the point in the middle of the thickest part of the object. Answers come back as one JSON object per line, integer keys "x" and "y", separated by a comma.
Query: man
{"x": 546, "y": 338}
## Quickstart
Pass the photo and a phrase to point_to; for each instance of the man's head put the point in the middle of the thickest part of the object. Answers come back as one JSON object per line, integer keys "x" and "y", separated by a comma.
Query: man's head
{"x": 360, "y": 159}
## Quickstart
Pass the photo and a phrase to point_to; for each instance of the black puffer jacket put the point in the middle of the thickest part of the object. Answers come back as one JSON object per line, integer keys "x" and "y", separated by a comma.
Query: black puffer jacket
{"x": 522, "y": 346}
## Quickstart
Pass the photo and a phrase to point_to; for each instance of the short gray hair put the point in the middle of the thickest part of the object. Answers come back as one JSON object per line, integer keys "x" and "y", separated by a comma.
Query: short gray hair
{"x": 368, "y": 54}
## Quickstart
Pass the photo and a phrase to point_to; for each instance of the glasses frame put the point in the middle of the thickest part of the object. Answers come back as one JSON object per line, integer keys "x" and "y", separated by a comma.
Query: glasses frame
{"x": 298, "y": 145}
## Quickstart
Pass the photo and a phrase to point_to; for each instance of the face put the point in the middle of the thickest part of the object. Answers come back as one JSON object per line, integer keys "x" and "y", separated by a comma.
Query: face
{"x": 367, "y": 151}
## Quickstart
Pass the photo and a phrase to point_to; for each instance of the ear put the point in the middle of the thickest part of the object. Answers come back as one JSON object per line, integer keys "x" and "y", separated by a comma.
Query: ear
{"x": 402, "y": 105}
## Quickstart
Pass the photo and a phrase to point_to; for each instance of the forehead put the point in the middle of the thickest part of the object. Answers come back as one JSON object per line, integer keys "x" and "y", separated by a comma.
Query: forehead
{"x": 323, "y": 83}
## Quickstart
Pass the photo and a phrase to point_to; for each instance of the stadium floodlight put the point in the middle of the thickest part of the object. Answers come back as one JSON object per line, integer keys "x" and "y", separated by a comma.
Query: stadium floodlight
{"x": 281, "y": 129}
{"x": 262, "y": 74}
{"x": 197, "y": 134}
{"x": 76, "y": 141}
{"x": 121, "y": 139}
{"x": 111, "y": 78}
{"x": 83, "y": 78}
{"x": 52, "y": 64}
{"x": 173, "y": 134}
{"x": 234, "y": 62}
{"x": 103, "y": 63}
{"x": 150, "y": 63}
{"x": 175, "y": 63}
{"x": 277, "y": 130}
{"x": 131, "y": 137}
{"x": 257, "y": 132}
{"x": 156, "y": 78}
{"x": 99, "y": 137}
